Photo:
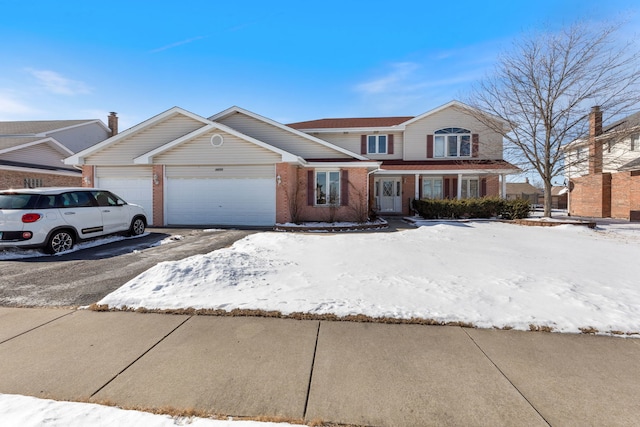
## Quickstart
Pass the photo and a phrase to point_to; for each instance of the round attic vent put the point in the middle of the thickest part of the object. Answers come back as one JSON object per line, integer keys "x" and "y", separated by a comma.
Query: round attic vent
{"x": 217, "y": 140}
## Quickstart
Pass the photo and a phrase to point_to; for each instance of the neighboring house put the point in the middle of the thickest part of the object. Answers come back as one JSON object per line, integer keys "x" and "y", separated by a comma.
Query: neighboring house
{"x": 524, "y": 190}
{"x": 604, "y": 169}
{"x": 240, "y": 168}
{"x": 559, "y": 197}
{"x": 32, "y": 153}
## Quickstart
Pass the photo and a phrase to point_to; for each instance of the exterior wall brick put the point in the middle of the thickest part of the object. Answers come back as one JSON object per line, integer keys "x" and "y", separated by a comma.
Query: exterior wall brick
{"x": 288, "y": 197}
{"x": 625, "y": 194}
{"x": 16, "y": 179}
{"x": 408, "y": 193}
{"x": 158, "y": 196}
{"x": 591, "y": 196}
{"x": 88, "y": 175}
{"x": 493, "y": 186}
{"x": 357, "y": 210}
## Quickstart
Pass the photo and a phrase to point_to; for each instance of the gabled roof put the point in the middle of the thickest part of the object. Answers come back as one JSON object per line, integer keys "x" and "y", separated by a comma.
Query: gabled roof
{"x": 39, "y": 127}
{"x": 521, "y": 188}
{"x": 559, "y": 190}
{"x": 387, "y": 123}
{"x": 286, "y": 128}
{"x": 625, "y": 124}
{"x": 632, "y": 120}
{"x": 354, "y": 122}
{"x": 148, "y": 157}
{"x": 633, "y": 165}
{"x": 78, "y": 158}
{"x": 13, "y": 144}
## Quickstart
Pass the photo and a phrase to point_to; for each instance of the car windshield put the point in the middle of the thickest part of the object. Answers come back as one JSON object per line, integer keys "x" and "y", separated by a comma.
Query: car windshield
{"x": 17, "y": 201}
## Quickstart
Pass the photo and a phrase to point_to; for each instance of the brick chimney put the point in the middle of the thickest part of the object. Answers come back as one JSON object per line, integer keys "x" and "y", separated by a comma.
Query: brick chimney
{"x": 595, "y": 146}
{"x": 113, "y": 123}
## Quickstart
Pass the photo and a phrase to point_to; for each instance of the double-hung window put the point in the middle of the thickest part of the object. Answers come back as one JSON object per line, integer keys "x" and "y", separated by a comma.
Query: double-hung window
{"x": 470, "y": 188}
{"x": 452, "y": 142}
{"x": 635, "y": 142}
{"x": 377, "y": 144}
{"x": 432, "y": 188}
{"x": 327, "y": 188}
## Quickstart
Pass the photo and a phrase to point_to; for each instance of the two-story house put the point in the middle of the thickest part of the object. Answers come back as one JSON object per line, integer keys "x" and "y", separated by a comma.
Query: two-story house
{"x": 240, "y": 168}
{"x": 603, "y": 169}
{"x": 443, "y": 153}
{"x": 32, "y": 152}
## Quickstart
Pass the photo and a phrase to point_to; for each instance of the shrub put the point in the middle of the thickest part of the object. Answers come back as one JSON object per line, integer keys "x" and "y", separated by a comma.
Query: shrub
{"x": 485, "y": 207}
{"x": 516, "y": 209}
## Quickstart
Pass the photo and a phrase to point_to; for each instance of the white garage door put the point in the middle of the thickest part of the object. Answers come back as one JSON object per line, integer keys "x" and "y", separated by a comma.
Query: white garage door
{"x": 133, "y": 190}
{"x": 239, "y": 196}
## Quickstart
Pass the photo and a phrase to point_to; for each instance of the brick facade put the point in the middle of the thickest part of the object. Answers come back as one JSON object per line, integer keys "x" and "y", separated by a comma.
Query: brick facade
{"x": 88, "y": 176}
{"x": 625, "y": 195}
{"x": 292, "y": 201}
{"x": 16, "y": 179}
{"x": 591, "y": 196}
{"x": 158, "y": 195}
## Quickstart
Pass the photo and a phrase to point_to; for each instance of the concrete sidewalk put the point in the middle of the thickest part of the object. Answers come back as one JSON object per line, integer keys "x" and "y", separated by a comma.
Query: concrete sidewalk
{"x": 338, "y": 372}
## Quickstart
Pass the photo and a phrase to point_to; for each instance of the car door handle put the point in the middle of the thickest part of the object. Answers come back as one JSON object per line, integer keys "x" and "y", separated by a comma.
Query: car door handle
{"x": 106, "y": 210}
{"x": 69, "y": 213}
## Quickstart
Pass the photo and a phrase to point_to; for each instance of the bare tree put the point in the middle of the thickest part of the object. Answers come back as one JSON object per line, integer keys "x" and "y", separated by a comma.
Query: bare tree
{"x": 544, "y": 88}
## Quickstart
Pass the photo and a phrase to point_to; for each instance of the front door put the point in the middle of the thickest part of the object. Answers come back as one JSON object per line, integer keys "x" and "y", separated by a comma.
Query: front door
{"x": 388, "y": 193}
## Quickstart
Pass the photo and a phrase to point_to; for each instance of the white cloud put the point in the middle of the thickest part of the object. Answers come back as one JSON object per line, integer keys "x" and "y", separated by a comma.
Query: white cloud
{"x": 10, "y": 106}
{"x": 400, "y": 73}
{"x": 176, "y": 44}
{"x": 58, "y": 84}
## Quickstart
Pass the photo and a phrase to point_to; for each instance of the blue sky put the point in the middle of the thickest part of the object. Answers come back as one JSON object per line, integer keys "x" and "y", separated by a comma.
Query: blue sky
{"x": 287, "y": 60}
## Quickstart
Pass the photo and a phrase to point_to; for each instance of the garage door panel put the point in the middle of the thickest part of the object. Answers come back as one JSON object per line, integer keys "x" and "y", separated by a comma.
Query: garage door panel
{"x": 220, "y": 201}
{"x": 132, "y": 190}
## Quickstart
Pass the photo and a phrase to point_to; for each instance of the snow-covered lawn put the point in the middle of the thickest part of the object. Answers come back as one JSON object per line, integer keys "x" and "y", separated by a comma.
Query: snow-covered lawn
{"x": 26, "y": 411}
{"x": 489, "y": 274}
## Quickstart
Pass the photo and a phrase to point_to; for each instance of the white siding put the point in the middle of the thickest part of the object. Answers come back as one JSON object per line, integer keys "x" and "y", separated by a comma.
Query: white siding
{"x": 415, "y": 135}
{"x": 351, "y": 142}
{"x": 221, "y": 171}
{"x": 40, "y": 154}
{"x": 124, "y": 172}
{"x": 280, "y": 138}
{"x": 234, "y": 150}
{"x": 617, "y": 154}
{"x": 127, "y": 149}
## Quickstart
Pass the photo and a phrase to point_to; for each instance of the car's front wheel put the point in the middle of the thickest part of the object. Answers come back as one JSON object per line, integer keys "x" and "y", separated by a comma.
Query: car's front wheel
{"x": 60, "y": 241}
{"x": 137, "y": 227}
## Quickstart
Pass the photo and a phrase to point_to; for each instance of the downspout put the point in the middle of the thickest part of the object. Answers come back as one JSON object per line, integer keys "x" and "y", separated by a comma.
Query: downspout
{"x": 368, "y": 186}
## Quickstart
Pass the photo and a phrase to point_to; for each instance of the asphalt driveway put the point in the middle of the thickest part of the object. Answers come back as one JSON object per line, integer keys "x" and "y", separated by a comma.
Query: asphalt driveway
{"x": 87, "y": 275}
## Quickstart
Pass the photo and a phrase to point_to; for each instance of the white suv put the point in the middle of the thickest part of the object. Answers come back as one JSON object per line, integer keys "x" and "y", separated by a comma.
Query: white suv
{"x": 56, "y": 218}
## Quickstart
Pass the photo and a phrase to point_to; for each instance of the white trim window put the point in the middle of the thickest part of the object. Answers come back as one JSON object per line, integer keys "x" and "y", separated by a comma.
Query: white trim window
{"x": 32, "y": 182}
{"x": 327, "y": 188}
{"x": 635, "y": 142}
{"x": 377, "y": 144}
{"x": 470, "y": 188}
{"x": 432, "y": 188}
{"x": 452, "y": 142}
